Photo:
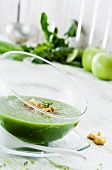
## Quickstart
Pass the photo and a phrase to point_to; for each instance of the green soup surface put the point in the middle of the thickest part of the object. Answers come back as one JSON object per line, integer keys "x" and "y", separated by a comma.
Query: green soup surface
{"x": 36, "y": 127}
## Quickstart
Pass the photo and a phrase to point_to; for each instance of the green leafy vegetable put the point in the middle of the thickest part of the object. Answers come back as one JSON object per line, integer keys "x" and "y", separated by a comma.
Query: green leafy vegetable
{"x": 53, "y": 49}
{"x": 72, "y": 30}
{"x": 5, "y": 47}
{"x": 44, "y": 24}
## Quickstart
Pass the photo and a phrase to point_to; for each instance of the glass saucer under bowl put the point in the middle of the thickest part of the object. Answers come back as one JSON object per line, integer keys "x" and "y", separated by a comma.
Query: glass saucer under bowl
{"x": 9, "y": 144}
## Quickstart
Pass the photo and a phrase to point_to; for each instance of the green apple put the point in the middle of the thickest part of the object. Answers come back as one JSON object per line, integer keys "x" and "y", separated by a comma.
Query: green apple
{"x": 87, "y": 57}
{"x": 102, "y": 66}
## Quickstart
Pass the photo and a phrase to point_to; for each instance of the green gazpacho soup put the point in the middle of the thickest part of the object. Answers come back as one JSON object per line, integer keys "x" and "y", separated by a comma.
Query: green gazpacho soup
{"x": 36, "y": 127}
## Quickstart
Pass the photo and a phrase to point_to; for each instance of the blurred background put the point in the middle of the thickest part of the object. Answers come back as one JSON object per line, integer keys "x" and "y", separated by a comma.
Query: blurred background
{"x": 95, "y": 17}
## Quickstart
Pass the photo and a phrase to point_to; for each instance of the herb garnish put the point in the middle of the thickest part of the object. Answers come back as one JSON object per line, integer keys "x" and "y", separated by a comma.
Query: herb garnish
{"x": 46, "y": 104}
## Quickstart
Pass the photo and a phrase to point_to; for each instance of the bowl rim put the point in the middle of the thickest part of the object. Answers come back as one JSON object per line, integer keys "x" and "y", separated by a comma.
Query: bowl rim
{"x": 56, "y": 67}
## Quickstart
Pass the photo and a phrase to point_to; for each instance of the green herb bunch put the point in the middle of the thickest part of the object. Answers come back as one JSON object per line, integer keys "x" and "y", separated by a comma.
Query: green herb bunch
{"x": 53, "y": 49}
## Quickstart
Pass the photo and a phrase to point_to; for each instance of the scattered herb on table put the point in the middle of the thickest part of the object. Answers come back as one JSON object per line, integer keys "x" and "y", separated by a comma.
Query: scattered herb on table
{"x": 99, "y": 167}
{"x": 25, "y": 163}
{"x": 53, "y": 49}
{"x": 4, "y": 165}
{"x": 32, "y": 162}
{"x": 61, "y": 167}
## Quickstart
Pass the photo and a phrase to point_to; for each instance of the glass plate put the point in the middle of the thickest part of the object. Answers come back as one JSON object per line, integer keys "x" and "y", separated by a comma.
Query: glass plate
{"x": 71, "y": 141}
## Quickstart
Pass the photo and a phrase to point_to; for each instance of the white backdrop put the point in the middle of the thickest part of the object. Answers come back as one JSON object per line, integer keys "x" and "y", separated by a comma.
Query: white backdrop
{"x": 60, "y": 13}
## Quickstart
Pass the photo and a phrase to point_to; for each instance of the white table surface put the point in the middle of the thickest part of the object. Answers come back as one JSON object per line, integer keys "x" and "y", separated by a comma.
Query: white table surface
{"x": 98, "y": 117}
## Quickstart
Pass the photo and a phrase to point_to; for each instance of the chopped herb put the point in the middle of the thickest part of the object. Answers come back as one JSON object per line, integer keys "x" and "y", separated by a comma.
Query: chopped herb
{"x": 46, "y": 104}
{"x": 25, "y": 163}
{"x": 4, "y": 165}
{"x": 33, "y": 162}
{"x": 61, "y": 167}
{"x": 99, "y": 167}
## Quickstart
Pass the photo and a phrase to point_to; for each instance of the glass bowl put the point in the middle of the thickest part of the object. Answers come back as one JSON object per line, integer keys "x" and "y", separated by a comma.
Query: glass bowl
{"x": 39, "y": 103}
